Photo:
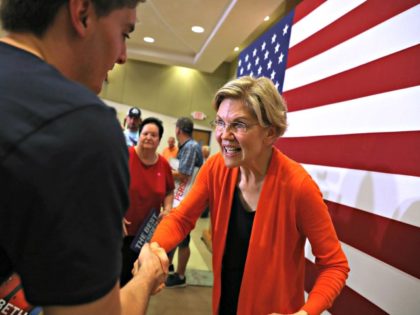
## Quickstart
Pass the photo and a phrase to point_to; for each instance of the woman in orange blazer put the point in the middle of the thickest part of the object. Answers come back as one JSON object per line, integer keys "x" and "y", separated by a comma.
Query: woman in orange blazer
{"x": 263, "y": 208}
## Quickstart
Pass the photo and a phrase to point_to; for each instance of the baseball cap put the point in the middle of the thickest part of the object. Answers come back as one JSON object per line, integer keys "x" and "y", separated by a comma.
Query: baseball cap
{"x": 134, "y": 112}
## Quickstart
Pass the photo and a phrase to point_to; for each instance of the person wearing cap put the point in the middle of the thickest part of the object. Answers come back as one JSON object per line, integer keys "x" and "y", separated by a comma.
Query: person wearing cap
{"x": 133, "y": 121}
{"x": 189, "y": 156}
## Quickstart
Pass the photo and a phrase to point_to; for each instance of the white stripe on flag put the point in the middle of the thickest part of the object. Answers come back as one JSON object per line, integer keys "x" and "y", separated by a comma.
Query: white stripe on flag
{"x": 391, "y": 36}
{"x": 325, "y": 14}
{"x": 393, "y": 111}
{"x": 391, "y": 196}
{"x": 393, "y": 290}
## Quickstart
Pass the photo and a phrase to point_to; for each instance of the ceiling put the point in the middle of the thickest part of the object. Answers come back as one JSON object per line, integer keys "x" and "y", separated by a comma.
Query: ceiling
{"x": 227, "y": 24}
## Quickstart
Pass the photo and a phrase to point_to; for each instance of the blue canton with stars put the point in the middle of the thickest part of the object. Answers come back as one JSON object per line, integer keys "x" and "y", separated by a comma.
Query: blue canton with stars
{"x": 267, "y": 55}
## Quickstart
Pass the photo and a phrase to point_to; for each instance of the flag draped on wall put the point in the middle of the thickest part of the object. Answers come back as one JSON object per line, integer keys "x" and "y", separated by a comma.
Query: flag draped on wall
{"x": 350, "y": 73}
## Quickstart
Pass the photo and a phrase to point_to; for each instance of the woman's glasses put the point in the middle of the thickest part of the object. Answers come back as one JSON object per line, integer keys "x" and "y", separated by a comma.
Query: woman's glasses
{"x": 236, "y": 127}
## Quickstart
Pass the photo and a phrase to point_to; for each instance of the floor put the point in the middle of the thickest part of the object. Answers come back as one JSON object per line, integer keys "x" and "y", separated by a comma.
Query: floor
{"x": 192, "y": 300}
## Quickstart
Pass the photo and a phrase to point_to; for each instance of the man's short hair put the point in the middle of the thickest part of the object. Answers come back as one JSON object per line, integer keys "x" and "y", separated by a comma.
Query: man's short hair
{"x": 35, "y": 16}
{"x": 185, "y": 124}
{"x": 134, "y": 112}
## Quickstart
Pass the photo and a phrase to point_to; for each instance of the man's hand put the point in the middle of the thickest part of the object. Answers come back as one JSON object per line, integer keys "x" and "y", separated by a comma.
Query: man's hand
{"x": 152, "y": 266}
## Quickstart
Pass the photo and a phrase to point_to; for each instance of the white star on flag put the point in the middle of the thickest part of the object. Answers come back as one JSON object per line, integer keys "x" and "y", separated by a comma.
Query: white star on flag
{"x": 273, "y": 74}
{"x": 286, "y": 27}
{"x": 273, "y": 38}
{"x": 263, "y": 46}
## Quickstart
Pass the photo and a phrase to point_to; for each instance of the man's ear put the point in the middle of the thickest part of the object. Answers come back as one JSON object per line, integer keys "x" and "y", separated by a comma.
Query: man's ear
{"x": 80, "y": 14}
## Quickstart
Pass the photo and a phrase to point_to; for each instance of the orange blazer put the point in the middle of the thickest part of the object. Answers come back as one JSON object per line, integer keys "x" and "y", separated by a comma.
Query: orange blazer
{"x": 290, "y": 210}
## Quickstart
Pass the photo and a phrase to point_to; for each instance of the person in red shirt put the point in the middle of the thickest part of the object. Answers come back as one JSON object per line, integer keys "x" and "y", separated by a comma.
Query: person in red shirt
{"x": 264, "y": 206}
{"x": 151, "y": 187}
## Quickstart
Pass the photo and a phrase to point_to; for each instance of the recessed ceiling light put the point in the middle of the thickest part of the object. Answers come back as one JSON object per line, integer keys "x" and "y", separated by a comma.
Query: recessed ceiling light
{"x": 149, "y": 39}
{"x": 236, "y": 49}
{"x": 266, "y": 18}
{"x": 197, "y": 29}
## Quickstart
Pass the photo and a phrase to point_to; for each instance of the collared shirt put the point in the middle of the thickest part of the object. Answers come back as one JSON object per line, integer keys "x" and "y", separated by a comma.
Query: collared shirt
{"x": 189, "y": 156}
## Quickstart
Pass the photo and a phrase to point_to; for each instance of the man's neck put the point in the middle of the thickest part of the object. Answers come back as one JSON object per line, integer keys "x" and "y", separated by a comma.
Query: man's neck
{"x": 28, "y": 43}
{"x": 182, "y": 138}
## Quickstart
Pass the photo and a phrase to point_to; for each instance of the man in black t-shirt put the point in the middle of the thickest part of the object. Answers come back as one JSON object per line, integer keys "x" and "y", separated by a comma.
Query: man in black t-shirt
{"x": 63, "y": 159}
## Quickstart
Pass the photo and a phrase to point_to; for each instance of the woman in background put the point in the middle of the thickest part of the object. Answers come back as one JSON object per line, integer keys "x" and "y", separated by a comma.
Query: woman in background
{"x": 263, "y": 208}
{"x": 151, "y": 187}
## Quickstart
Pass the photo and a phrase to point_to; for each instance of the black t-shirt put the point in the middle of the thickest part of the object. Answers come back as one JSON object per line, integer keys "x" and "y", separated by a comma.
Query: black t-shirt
{"x": 234, "y": 258}
{"x": 63, "y": 184}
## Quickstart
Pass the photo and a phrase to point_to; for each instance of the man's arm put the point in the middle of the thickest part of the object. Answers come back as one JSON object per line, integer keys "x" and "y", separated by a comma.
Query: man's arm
{"x": 149, "y": 276}
{"x": 179, "y": 176}
{"x": 167, "y": 202}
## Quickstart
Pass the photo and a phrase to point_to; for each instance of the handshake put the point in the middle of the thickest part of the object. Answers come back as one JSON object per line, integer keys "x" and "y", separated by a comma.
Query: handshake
{"x": 151, "y": 267}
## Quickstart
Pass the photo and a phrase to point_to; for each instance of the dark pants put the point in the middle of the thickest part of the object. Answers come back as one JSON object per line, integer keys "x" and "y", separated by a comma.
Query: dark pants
{"x": 128, "y": 259}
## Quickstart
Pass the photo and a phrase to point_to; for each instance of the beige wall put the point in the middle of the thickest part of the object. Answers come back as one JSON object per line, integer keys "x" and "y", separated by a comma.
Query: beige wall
{"x": 169, "y": 90}
{"x": 165, "y": 92}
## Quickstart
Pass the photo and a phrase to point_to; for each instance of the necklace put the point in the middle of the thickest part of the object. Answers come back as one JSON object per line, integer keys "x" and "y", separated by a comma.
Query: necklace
{"x": 148, "y": 161}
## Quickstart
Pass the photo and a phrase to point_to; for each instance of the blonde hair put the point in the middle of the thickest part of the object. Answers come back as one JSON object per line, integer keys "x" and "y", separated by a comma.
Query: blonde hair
{"x": 260, "y": 96}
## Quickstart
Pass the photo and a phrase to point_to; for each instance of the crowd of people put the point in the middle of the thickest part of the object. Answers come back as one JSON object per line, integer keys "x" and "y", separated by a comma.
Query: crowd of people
{"x": 67, "y": 222}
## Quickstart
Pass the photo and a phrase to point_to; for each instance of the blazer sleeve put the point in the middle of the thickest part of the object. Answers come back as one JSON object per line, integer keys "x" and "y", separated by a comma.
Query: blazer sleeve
{"x": 316, "y": 224}
{"x": 181, "y": 220}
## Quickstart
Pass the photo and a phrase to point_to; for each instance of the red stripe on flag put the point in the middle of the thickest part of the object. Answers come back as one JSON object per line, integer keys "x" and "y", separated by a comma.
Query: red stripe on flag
{"x": 353, "y": 23}
{"x": 306, "y": 7}
{"x": 390, "y": 241}
{"x": 349, "y": 302}
{"x": 391, "y": 152}
{"x": 396, "y": 71}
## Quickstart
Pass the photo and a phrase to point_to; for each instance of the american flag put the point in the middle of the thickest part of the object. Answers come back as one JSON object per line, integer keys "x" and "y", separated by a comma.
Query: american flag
{"x": 268, "y": 54}
{"x": 351, "y": 74}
